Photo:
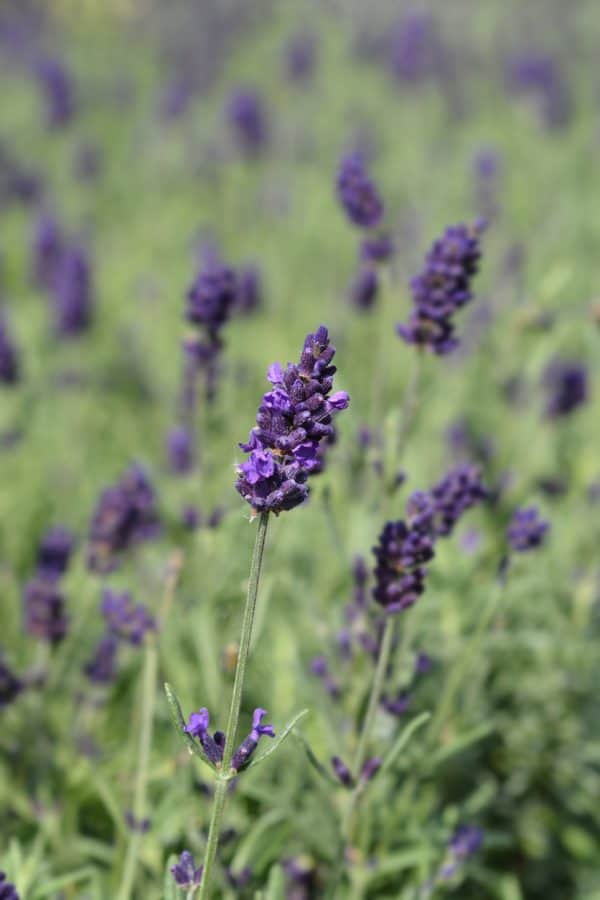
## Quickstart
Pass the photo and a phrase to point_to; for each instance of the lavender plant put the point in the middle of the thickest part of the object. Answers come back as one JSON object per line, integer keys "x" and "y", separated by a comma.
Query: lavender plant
{"x": 293, "y": 419}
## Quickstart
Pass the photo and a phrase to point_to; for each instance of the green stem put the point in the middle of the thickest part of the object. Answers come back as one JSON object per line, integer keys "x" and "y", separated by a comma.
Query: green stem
{"x": 234, "y": 708}
{"x": 409, "y": 406}
{"x": 149, "y": 676}
{"x": 367, "y": 726}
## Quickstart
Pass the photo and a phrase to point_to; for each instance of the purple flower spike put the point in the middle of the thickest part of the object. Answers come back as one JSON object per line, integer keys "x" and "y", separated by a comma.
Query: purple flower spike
{"x": 185, "y": 873}
{"x": 526, "y": 530}
{"x": 458, "y": 491}
{"x": 72, "y": 293}
{"x": 54, "y": 552}
{"x": 364, "y": 289}
{"x": 247, "y": 118}
{"x": 399, "y": 576}
{"x": 129, "y": 621}
{"x": 125, "y": 515}
{"x": 45, "y": 615}
{"x": 293, "y": 419}
{"x": 48, "y": 246}
{"x": 342, "y": 771}
{"x": 197, "y": 727}
{"x": 566, "y": 382}
{"x": 443, "y": 287}
{"x": 357, "y": 192}
{"x": 102, "y": 668}
{"x": 242, "y": 755}
{"x": 58, "y": 92}
{"x": 180, "y": 450}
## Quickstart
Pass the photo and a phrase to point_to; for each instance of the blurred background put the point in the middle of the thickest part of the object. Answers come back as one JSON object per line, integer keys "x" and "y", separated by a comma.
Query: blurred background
{"x": 142, "y": 143}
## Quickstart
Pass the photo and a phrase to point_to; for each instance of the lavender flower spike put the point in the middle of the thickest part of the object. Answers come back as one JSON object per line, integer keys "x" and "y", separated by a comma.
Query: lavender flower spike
{"x": 357, "y": 192}
{"x": 185, "y": 873}
{"x": 526, "y": 530}
{"x": 10, "y": 685}
{"x": 242, "y": 755}
{"x": 125, "y": 619}
{"x": 293, "y": 418}
{"x": 442, "y": 287}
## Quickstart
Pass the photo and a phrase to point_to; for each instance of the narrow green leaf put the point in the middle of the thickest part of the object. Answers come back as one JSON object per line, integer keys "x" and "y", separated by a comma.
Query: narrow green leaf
{"x": 315, "y": 763}
{"x": 461, "y": 743}
{"x": 179, "y": 723}
{"x": 280, "y": 739}
{"x": 55, "y": 885}
{"x": 404, "y": 738}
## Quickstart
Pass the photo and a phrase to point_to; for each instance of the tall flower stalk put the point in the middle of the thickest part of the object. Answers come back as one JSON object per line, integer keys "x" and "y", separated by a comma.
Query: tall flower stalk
{"x": 293, "y": 419}
{"x": 225, "y": 774}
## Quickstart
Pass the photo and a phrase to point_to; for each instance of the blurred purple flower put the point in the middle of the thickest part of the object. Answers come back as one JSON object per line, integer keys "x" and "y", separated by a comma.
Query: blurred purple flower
{"x": 129, "y": 621}
{"x": 526, "y": 530}
{"x": 566, "y": 383}
{"x": 357, "y": 192}
{"x": 10, "y": 685}
{"x": 54, "y": 552}
{"x": 44, "y": 607}
{"x": 364, "y": 288}
{"x": 72, "y": 293}
{"x": 58, "y": 92}
{"x": 247, "y": 117}
{"x": 101, "y": 668}
{"x": 125, "y": 515}
{"x": 442, "y": 287}
{"x": 180, "y": 450}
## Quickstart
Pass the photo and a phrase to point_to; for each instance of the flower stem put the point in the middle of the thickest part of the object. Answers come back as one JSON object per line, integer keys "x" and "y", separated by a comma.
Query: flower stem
{"x": 368, "y": 721}
{"x": 234, "y": 709}
{"x": 410, "y": 405}
{"x": 149, "y": 678}
{"x": 149, "y": 675}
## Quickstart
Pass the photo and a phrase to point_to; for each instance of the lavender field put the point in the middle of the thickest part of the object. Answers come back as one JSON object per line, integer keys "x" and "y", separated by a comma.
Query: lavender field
{"x": 299, "y": 430}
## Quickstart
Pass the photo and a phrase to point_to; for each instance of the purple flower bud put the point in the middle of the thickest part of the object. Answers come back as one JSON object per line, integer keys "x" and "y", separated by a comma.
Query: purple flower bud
{"x": 72, "y": 293}
{"x": 566, "y": 382}
{"x": 129, "y": 621}
{"x": 45, "y": 615}
{"x": 242, "y": 755}
{"x": 376, "y": 248}
{"x": 247, "y": 118}
{"x": 102, "y": 668}
{"x": 125, "y": 515}
{"x": 249, "y": 296}
{"x": 465, "y": 841}
{"x": 342, "y": 771}
{"x": 180, "y": 450}
{"x": 364, "y": 289}
{"x": 58, "y": 92}
{"x": 185, "y": 873}
{"x": 423, "y": 663}
{"x": 370, "y": 768}
{"x": 397, "y": 706}
{"x": 526, "y": 530}
{"x": 197, "y": 727}
{"x": 48, "y": 247}
{"x": 357, "y": 192}
{"x": 300, "y": 54}
{"x": 54, "y": 552}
